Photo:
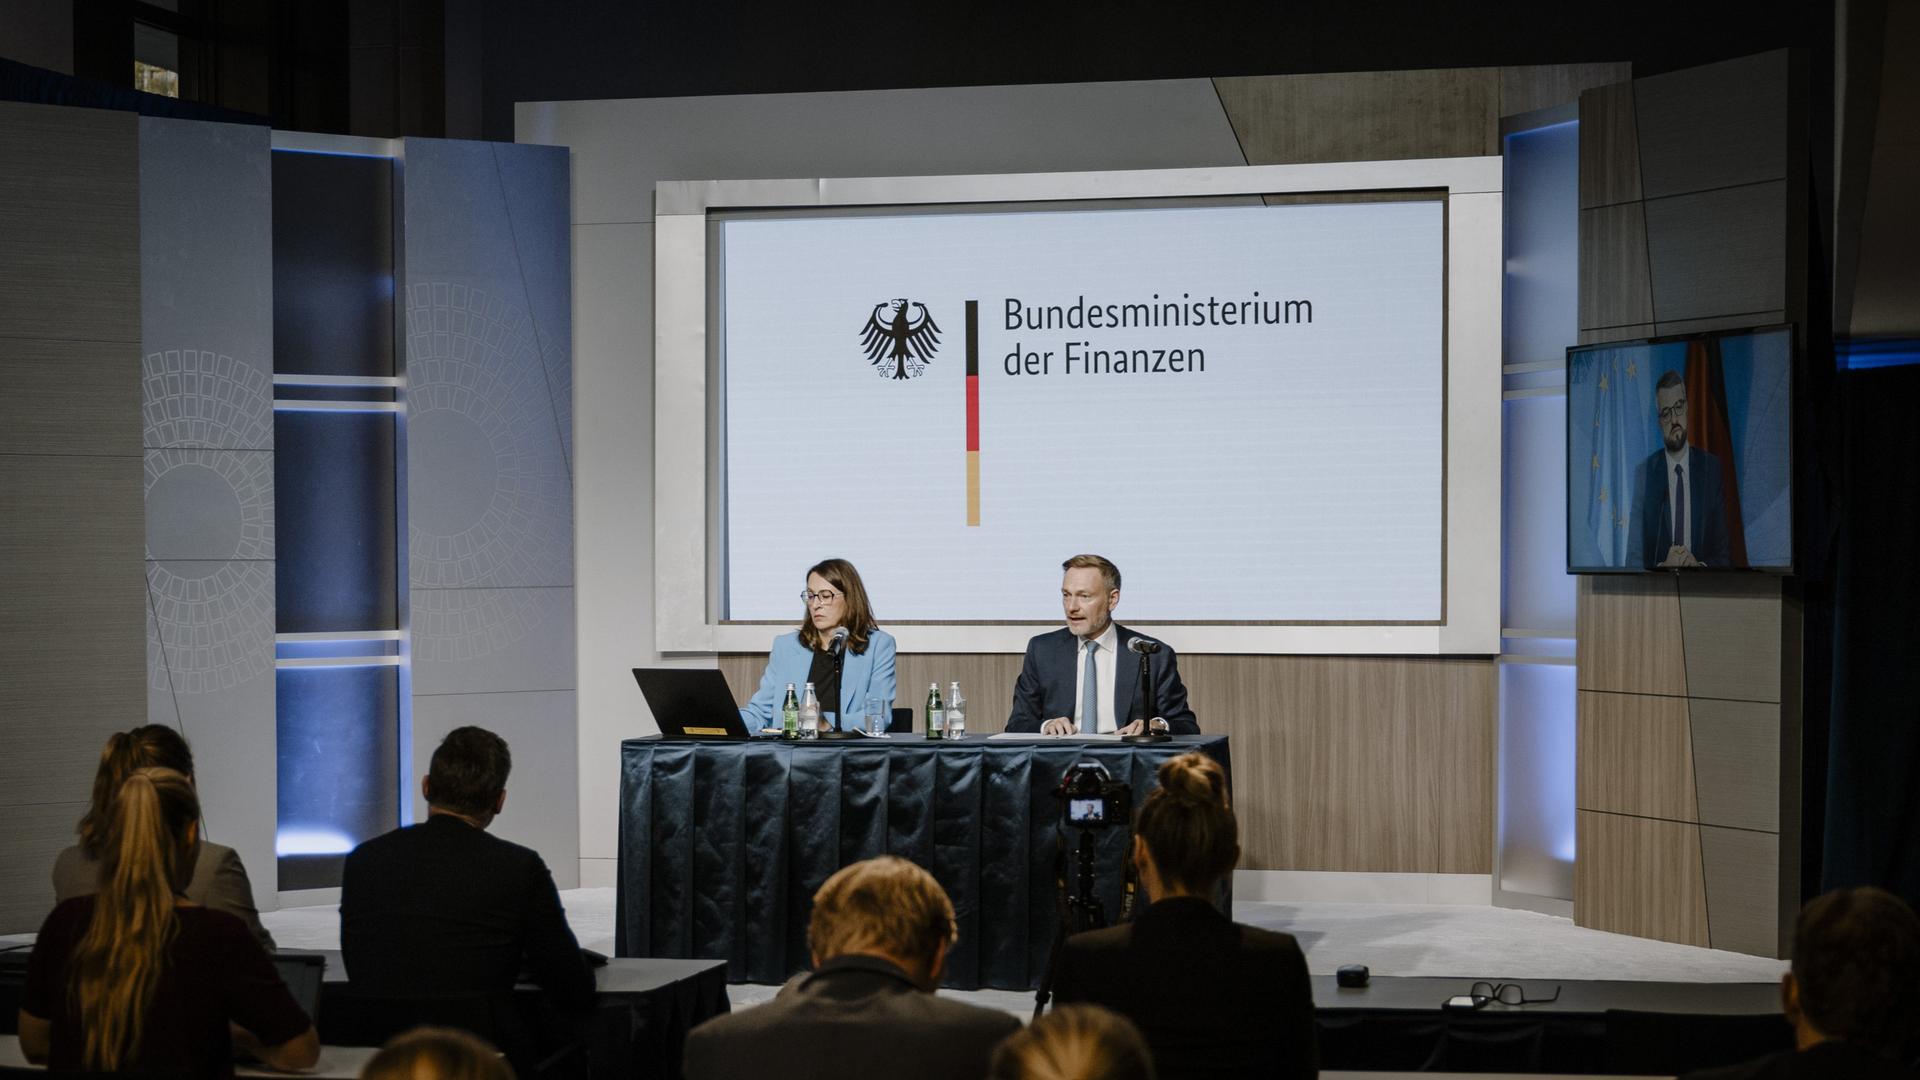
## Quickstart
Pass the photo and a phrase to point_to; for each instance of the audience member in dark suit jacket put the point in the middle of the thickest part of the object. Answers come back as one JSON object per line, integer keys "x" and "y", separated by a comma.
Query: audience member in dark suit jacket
{"x": 219, "y": 880}
{"x": 442, "y": 909}
{"x": 1213, "y": 997}
{"x": 1853, "y": 995}
{"x": 879, "y": 935}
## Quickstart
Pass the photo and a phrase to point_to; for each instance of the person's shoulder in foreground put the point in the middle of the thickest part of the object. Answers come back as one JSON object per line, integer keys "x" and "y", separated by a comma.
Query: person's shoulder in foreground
{"x": 1852, "y": 995}
{"x": 879, "y": 935}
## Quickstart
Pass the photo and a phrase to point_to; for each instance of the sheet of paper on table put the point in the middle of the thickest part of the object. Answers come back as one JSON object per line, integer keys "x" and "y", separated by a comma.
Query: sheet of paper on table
{"x": 1029, "y": 736}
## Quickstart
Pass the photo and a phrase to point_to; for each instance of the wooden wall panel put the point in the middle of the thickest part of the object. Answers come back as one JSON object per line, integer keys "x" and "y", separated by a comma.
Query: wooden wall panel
{"x": 1357, "y": 763}
{"x": 1634, "y": 755}
{"x": 1609, "y": 147}
{"x": 1364, "y": 116}
{"x": 1640, "y": 876}
{"x": 69, "y": 206}
{"x": 1542, "y": 86}
{"x": 1615, "y": 282}
{"x": 1628, "y": 631}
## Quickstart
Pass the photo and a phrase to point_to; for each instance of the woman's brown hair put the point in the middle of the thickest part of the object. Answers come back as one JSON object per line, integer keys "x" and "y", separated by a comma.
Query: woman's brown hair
{"x": 145, "y": 860}
{"x": 1188, "y": 824}
{"x": 1074, "y": 1042}
{"x": 150, "y": 746}
{"x": 859, "y": 621}
{"x": 431, "y": 1053}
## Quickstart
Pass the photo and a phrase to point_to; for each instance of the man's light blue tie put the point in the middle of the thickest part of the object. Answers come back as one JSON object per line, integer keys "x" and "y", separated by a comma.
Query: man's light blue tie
{"x": 1090, "y": 714}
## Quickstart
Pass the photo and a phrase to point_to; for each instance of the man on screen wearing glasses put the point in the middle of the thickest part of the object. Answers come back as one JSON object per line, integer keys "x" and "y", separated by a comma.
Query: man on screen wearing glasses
{"x": 1683, "y": 520}
{"x": 1084, "y": 678}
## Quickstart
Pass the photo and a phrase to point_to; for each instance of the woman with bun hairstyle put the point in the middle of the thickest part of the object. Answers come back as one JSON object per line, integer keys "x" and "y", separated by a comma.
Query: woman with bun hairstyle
{"x": 219, "y": 881}
{"x": 136, "y": 978}
{"x": 1213, "y": 997}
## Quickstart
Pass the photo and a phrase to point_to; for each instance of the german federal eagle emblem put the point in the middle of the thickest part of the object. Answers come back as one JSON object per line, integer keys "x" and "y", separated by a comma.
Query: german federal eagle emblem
{"x": 899, "y": 347}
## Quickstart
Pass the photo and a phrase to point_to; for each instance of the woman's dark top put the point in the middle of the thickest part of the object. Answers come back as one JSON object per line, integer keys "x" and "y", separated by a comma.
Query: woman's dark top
{"x": 826, "y": 683}
{"x": 215, "y": 972}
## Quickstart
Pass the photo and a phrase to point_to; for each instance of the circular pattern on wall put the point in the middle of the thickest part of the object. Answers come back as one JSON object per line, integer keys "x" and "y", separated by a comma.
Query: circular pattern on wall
{"x": 489, "y": 496}
{"x": 209, "y": 491}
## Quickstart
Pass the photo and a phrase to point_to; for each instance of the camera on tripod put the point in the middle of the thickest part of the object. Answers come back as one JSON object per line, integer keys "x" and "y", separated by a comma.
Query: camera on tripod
{"x": 1093, "y": 798}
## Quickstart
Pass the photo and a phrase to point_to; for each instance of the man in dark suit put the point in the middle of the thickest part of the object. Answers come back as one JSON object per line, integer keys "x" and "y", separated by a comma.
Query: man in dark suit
{"x": 879, "y": 935}
{"x": 441, "y": 909}
{"x": 1214, "y": 998}
{"x": 1680, "y": 484}
{"x": 1086, "y": 676}
{"x": 1853, "y": 995}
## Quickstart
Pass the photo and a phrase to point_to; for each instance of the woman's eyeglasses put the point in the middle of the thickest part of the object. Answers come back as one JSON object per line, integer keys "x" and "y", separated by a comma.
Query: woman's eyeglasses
{"x": 825, "y": 596}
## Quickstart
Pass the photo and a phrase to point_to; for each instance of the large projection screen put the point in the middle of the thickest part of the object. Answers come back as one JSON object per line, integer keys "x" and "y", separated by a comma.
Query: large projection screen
{"x": 1279, "y": 416}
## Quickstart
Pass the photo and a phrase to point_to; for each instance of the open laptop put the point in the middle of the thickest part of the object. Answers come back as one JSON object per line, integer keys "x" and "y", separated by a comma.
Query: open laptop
{"x": 691, "y": 702}
{"x": 303, "y": 973}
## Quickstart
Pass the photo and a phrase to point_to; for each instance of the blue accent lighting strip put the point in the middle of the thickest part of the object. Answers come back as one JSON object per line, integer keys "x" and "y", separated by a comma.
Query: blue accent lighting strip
{"x": 1861, "y": 354}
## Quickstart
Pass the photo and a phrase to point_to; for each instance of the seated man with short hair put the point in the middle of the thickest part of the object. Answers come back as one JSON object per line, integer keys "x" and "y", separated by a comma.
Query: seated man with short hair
{"x": 879, "y": 936}
{"x": 1853, "y": 995}
{"x": 441, "y": 909}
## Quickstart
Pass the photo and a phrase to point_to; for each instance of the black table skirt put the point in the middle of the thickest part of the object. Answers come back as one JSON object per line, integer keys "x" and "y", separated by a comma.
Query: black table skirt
{"x": 723, "y": 844}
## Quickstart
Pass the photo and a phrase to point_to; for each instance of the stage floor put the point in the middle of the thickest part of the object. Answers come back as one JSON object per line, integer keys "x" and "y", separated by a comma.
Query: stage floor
{"x": 1414, "y": 940}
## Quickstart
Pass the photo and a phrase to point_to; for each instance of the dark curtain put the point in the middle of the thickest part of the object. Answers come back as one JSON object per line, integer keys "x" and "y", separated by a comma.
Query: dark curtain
{"x": 1872, "y": 803}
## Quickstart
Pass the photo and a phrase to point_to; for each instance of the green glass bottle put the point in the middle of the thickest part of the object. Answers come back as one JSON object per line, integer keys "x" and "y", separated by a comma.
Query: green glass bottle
{"x": 936, "y": 713}
{"x": 790, "y": 715}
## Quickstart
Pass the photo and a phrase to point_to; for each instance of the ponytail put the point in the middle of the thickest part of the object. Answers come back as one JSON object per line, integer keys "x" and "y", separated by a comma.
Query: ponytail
{"x": 146, "y": 856}
{"x": 155, "y": 746}
{"x": 1188, "y": 823}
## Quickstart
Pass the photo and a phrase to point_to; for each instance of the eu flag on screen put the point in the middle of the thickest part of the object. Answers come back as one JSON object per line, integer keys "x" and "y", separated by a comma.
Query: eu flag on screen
{"x": 1622, "y": 433}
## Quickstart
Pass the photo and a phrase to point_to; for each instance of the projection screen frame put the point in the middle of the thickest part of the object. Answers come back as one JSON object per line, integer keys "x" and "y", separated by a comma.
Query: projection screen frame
{"x": 684, "y": 620}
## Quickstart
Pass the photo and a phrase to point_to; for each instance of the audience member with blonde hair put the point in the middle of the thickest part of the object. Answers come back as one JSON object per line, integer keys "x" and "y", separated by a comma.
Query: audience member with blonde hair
{"x": 1075, "y": 1042}
{"x": 1212, "y": 997}
{"x": 879, "y": 935}
{"x": 219, "y": 880}
{"x": 136, "y": 978}
{"x": 433, "y": 1053}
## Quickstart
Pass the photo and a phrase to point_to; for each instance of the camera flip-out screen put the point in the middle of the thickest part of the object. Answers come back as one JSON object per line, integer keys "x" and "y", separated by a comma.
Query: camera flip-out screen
{"x": 1088, "y": 810}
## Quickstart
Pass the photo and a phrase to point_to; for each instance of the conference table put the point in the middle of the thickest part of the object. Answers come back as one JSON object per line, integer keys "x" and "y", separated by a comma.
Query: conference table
{"x": 724, "y": 842}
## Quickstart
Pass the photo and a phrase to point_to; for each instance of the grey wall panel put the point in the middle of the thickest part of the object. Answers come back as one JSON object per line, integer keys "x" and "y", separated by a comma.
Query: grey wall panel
{"x": 489, "y": 339}
{"x": 206, "y": 258}
{"x": 69, "y": 210}
{"x": 1731, "y": 629}
{"x": 1721, "y": 322}
{"x": 539, "y": 728}
{"x": 623, "y": 147}
{"x": 1715, "y": 126}
{"x": 1742, "y": 870}
{"x": 1616, "y": 333}
{"x": 1609, "y": 147}
{"x": 206, "y": 283}
{"x": 69, "y": 397}
{"x": 1736, "y": 762}
{"x": 490, "y": 500}
{"x": 71, "y": 596}
{"x": 1615, "y": 289}
{"x": 32, "y": 839}
{"x": 209, "y": 504}
{"x": 1718, "y": 252}
{"x": 71, "y": 609}
{"x": 472, "y": 641}
{"x": 1364, "y": 116}
{"x": 211, "y": 617}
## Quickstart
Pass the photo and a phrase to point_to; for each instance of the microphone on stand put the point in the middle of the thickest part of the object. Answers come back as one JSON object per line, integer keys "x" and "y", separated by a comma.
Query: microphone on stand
{"x": 1146, "y": 647}
{"x": 837, "y": 645}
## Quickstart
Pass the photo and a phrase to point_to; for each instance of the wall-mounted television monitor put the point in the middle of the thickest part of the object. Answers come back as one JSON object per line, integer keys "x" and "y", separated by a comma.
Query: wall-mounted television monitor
{"x": 1680, "y": 453}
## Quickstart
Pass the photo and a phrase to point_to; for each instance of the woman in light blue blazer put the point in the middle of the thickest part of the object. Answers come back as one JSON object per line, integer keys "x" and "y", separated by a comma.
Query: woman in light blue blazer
{"x": 834, "y": 598}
